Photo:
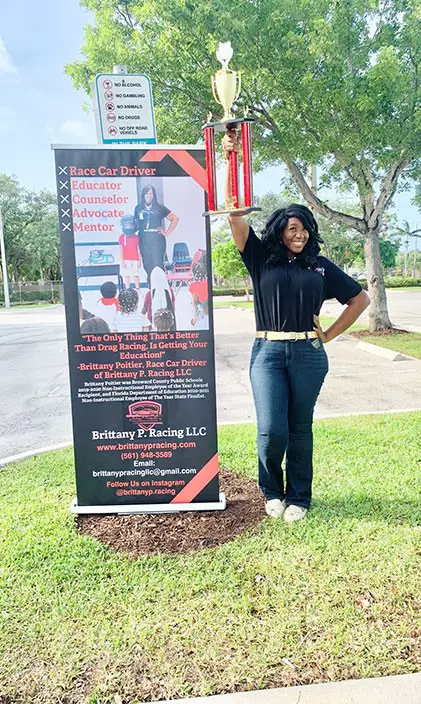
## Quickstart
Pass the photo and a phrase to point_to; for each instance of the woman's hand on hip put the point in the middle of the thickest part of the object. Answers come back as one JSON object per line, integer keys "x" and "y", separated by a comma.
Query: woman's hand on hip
{"x": 321, "y": 335}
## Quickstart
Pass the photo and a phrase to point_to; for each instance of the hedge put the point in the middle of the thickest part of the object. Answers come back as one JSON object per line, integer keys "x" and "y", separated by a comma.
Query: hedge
{"x": 401, "y": 281}
{"x": 390, "y": 282}
{"x": 218, "y": 291}
{"x": 396, "y": 282}
{"x": 31, "y": 296}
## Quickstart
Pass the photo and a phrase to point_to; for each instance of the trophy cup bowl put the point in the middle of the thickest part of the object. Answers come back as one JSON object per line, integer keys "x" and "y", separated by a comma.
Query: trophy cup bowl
{"x": 226, "y": 86}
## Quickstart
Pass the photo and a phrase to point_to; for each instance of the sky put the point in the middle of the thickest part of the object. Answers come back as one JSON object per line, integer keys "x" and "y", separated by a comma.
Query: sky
{"x": 40, "y": 107}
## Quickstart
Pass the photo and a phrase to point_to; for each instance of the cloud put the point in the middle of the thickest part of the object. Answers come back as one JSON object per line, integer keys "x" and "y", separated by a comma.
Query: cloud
{"x": 73, "y": 128}
{"x": 6, "y": 63}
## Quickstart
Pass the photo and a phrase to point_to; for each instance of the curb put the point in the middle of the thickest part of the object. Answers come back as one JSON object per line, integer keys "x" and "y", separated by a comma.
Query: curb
{"x": 62, "y": 446}
{"x": 395, "y": 689}
{"x": 33, "y": 453}
{"x": 385, "y": 352}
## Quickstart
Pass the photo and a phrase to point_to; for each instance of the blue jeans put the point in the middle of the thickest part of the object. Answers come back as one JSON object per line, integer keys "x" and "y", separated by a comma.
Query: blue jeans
{"x": 286, "y": 379}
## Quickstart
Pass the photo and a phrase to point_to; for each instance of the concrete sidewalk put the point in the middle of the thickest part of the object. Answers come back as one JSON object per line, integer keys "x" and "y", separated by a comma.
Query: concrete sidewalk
{"x": 402, "y": 689}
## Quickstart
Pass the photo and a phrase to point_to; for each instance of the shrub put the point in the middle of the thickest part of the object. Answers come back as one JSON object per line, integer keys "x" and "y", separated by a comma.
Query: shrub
{"x": 31, "y": 296}
{"x": 401, "y": 281}
{"x": 218, "y": 291}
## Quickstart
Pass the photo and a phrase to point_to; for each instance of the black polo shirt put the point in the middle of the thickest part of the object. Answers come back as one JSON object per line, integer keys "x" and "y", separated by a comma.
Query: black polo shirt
{"x": 150, "y": 218}
{"x": 287, "y": 296}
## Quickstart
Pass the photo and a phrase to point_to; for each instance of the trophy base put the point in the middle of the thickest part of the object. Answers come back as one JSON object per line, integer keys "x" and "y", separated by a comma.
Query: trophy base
{"x": 230, "y": 123}
{"x": 231, "y": 211}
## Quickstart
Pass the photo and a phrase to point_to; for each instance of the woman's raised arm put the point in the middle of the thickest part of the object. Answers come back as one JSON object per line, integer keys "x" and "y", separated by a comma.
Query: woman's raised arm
{"x": 239, "y": 225}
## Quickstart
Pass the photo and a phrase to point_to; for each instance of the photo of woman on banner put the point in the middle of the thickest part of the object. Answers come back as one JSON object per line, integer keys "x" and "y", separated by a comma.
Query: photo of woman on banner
{"x": 149, "y": 215}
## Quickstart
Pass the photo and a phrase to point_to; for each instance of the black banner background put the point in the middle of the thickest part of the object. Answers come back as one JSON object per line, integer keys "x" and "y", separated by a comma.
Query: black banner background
{"x": 117, "y": 461}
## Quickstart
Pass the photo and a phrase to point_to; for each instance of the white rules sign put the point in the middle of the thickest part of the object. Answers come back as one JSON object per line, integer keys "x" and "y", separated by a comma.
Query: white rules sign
{"x": 124, "y": 109}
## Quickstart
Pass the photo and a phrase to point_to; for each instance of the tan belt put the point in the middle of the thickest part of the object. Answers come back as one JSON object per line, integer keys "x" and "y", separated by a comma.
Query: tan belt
{"x": 272, "y": 335}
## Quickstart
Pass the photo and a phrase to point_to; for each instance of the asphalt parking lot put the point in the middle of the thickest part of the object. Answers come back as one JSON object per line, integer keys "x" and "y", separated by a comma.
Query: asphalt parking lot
{"x": 35, "y": 382}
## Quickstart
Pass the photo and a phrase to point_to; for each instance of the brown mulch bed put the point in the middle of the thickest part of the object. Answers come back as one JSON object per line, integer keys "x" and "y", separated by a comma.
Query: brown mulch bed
{"x": 184, "y": 532}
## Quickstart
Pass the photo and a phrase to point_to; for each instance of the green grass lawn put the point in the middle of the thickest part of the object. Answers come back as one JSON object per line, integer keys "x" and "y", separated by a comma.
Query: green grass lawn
{"x": 247, "y": 305}
{"x": 334, "y": 597}
{"x": 26, "y": 306}
{"x": 405, "y": 342}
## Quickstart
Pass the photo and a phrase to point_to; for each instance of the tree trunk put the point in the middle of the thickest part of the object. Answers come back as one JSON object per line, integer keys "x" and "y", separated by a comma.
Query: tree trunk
{"x": 246, "y": 286}
{"x": 378, "y": 315}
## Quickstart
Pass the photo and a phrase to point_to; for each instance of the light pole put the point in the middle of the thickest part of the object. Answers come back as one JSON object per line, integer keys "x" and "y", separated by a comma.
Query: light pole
{"x": 414, "y": 270}
{"x": 4, "y": 265}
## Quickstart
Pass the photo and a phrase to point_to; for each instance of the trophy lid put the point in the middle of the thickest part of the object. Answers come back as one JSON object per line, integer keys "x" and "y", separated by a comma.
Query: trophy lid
{"x": 224, "y": 54}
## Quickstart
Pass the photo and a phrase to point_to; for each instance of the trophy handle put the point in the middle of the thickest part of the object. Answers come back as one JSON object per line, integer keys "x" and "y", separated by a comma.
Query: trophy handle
{"x": 215, "y": 94}
{"x": 238, "y": 86}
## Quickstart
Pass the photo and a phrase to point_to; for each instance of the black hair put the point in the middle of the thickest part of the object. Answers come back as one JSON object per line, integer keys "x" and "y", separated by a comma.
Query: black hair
{"x": 199, "y": 267}
{"x": 145, "y": 189}
{"x": 272, "y": 233}
{"x": 94, "y": 326}
{"x": 198, "y": 271}
{"x": 108, "y": 290}
{"x": 128, "y": 300}
{"x": 164, "y": 319}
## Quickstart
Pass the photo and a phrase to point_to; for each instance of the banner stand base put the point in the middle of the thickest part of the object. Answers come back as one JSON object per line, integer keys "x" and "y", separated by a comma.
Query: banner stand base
{"x": 150, "y": 508}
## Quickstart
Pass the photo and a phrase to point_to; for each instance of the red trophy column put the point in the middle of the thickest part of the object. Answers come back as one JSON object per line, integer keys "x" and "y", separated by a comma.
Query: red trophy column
{"x": 247, "y": 164}
{"x": 210, "y": 167}
{"x": 234, "y": 187}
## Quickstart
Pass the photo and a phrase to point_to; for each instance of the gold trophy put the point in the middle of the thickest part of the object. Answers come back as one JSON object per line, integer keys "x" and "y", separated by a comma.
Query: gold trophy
{"x": 226, "y": 83}
{"x": 226, "y": 86}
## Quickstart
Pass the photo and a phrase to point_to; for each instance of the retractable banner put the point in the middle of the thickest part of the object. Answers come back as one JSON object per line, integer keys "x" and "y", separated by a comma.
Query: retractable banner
{"x": 137, "y": 285}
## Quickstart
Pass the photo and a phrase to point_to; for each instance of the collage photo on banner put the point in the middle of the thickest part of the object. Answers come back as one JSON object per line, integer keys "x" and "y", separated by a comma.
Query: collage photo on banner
{"x": 141, "y": 266}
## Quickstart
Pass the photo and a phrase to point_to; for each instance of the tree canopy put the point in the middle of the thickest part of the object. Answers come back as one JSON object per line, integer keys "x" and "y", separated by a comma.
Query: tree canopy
{"x": 31, "y": 231}
{"x": 330, "y": 82}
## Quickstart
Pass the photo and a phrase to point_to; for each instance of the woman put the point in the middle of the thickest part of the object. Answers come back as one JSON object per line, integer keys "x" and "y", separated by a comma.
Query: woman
{"x": 149, "y": 215}
{"x": 288, "y": 362}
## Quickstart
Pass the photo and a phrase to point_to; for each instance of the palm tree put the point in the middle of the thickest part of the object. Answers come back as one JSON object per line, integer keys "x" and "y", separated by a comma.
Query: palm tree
{"x": 406, "y": 232}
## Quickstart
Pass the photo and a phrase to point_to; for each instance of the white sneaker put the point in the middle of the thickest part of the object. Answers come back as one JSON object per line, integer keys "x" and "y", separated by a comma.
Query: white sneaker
{"x": 294, "y": 513}
{"x": 275, "y": 508}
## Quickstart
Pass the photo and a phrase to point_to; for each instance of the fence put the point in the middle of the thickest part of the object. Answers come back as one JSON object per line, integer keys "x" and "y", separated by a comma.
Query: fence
{"x": 34, "y": 292}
